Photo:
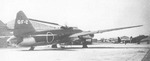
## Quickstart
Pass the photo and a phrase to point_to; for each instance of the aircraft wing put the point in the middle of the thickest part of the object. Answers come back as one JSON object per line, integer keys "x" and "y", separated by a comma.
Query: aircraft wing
{"x": 102, "y": 31}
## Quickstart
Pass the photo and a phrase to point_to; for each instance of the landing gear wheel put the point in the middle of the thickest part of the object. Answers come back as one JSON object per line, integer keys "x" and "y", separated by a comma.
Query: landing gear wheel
{"x": 54, "y": 46}
{"x": 84, "y": 44}
{"x": 62, "y": 47}
{"x": 31, "y": 48}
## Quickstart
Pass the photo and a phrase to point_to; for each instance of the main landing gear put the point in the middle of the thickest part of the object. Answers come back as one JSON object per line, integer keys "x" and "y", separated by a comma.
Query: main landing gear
{"x": 84, "y": 44}
{"x": 54, "y": 46}
{"x": 32, "y": 48}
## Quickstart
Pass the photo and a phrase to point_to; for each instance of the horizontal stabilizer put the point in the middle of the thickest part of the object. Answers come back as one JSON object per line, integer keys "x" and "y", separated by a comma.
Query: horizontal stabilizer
{"x": 43, "y": 21}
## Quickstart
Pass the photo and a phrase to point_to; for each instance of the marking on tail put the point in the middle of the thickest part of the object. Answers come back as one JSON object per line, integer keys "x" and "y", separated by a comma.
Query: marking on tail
{"x": 22, "y": 21}
{"x": 22, "y": 26}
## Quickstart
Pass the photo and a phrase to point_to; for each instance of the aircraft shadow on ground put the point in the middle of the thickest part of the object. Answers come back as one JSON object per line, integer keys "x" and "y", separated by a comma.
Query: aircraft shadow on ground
{"x": 51, "y": 49}
{"x": 56, "y": 49}
{"x": 76, "y": 48}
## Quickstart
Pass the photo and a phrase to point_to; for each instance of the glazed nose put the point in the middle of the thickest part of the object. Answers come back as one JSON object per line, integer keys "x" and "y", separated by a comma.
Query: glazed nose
{"x": 11, "y": 41}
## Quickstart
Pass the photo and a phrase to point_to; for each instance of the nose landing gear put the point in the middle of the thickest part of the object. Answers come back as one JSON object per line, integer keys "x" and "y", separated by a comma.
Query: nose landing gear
{"x": 84, "y": 42}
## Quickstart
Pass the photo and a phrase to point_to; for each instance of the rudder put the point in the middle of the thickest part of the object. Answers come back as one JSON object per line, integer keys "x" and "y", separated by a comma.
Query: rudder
{"x": 22, "y": 25}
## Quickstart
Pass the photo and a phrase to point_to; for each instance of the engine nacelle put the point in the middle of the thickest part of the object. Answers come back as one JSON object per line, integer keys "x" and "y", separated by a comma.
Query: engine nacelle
{"x": 26, "y": 41}
{"x": 90, "y": 36}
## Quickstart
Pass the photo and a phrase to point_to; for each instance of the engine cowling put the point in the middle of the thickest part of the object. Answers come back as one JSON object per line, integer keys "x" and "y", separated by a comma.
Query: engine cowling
{"x": 26, "y": 41}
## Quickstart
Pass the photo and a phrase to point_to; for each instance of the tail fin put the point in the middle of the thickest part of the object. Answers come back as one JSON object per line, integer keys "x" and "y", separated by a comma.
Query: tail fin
{"x": 22, "y": 25}
{"x": 2, "y": 24}
{"x": 3, "y": 29}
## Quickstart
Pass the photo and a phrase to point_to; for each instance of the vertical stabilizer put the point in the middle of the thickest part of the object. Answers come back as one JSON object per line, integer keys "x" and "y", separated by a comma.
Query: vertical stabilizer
{"x": 2, "y": 24}
{"x": 3, "y": 29}
{"x": 22, "y": 25}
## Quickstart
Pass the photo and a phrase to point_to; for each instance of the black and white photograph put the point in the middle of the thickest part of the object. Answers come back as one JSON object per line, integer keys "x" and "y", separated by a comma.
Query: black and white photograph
{"x": 74, "y": 30}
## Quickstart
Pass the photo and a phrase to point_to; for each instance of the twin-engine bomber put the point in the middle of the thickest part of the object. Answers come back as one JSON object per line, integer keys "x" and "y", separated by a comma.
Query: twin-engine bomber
{"x": 25, "y": 35}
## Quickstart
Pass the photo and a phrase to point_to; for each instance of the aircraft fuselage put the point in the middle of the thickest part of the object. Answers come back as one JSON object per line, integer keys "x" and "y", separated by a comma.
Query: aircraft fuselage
{"x": 45, "y": 37}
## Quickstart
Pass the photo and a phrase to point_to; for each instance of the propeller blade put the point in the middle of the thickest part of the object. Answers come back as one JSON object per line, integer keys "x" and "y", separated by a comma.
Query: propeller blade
{"x": 44, "y": 21}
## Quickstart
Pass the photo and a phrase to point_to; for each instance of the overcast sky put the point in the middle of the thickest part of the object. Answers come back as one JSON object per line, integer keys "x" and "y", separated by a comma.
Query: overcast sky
{"x": 85, "y": 14}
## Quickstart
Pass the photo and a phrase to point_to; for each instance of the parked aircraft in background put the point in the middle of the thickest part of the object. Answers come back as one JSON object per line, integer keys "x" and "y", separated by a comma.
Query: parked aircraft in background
{"x": 25, "y": 34}
{"x": 4, "y": 30}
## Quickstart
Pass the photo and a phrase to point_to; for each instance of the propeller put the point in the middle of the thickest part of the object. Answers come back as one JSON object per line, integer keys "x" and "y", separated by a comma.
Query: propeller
{"x": 62, "y": 27}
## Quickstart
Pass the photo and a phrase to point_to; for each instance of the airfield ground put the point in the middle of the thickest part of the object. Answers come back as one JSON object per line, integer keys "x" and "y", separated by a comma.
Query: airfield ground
{"x": 98, "y": 52}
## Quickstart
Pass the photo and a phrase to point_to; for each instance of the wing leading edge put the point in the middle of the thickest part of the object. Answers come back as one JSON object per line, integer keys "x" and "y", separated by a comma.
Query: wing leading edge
{"x": 102, "y": 31}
